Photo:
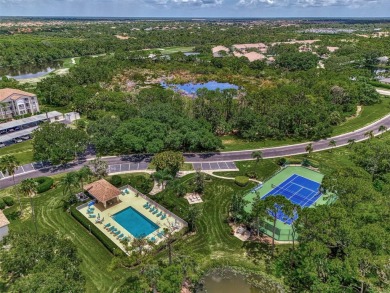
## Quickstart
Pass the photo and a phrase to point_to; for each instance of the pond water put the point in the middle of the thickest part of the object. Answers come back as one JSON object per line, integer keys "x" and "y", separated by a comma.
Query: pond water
{"x": 29, "y": 71}
{"x": 231, "y": 282}
{"x": 191, "y": 88}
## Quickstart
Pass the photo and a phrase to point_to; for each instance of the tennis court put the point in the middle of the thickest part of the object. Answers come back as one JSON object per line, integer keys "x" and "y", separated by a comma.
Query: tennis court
{"x": 299, "y": 190}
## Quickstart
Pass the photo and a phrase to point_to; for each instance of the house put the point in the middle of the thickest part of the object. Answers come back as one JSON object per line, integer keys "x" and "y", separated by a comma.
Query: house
{"x": 14, "y": 102}
{"x": 3, "y": 225}
{"x": 218, "y": 49}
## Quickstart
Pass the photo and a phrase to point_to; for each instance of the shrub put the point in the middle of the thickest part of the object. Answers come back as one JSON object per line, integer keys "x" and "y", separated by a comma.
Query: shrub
{"x": 251, "y": 174}
{"x": 141, "y": 183}
{"x": 9, "y": 201}
{"x": 116, "y": 180}
{"x": 305, "y": 162}
{"x": 107, "y": 242}
{"x": 293, "y": 161}
{"x": 44, "y": 184}
{"x": 282, "y": 161}
{"x": 2, "y": 204}
{"x": 241, "y": 180}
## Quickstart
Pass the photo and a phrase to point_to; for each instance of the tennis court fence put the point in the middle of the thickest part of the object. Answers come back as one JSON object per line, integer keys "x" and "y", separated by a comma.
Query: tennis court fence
{"x": 281, "y": 234}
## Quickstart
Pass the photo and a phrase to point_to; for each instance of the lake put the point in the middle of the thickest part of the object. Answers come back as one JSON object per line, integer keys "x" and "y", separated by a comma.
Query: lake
{"x": 191, "y": 88}
{"x": 227, "y": 281}
{"x": 29, "y": 71}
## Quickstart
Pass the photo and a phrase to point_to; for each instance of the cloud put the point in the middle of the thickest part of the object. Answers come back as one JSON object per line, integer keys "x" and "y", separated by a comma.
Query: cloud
{"x": 179, "y": 3}
{"x": 309, "y": 3}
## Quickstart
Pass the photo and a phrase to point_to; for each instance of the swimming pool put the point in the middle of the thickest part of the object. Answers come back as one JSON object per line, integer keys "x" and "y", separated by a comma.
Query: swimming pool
{"x": 135, "y": 223}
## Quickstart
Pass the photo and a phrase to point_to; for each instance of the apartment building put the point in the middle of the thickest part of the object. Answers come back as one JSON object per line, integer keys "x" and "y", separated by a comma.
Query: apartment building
{"x": 14, "y": 102}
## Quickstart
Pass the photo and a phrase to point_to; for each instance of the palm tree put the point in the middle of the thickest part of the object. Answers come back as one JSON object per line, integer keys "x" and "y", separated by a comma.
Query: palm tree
{"x": 83, "y": 175}
{"x": 369, "y": 134}
{"x": 258, "y": 155}
{"x": 309, "y": 148}
{"x": 332, "y": 143}
{"x": 382, "y": 129}
{"x": 9, "y": 164}
{"x": 351, "y": 142}
{"x": 29, "y": 188}
{"x": 68, "y": 181}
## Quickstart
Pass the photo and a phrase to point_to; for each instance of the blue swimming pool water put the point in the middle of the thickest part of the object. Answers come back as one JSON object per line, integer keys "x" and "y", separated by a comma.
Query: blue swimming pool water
{"x": 191, "y": 88}
{"x": 135, "y": 223}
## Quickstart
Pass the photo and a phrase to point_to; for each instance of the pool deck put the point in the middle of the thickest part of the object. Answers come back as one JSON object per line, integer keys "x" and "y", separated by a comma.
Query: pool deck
{"x": 136, "y": 202}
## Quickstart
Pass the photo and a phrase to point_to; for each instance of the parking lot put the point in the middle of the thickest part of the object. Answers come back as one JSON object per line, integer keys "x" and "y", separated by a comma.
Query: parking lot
{"x": 27, "y": 168}
{"x": 125, "y": 167}
{"x": 215, "y": 166}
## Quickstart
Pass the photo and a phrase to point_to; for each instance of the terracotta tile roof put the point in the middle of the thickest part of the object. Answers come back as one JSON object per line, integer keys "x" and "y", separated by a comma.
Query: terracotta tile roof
{"x": 220, "y": 48}
{"x": 13, "y": 93}
{"x": 3, "y": 220}
{"x": 252, "y": 56}
{"x": 102, "y": 190}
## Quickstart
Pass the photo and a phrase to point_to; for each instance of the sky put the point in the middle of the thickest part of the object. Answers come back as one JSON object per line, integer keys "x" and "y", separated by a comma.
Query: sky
{"x": 197, "y": 8}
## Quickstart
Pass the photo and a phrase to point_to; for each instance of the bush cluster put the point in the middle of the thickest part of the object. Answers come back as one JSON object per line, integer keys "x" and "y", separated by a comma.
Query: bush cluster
{"x": 241, "y": 180}
{"x": 116, "y": 180}
{"x": 2, "y": 204}
{"x": 44, "y": 184}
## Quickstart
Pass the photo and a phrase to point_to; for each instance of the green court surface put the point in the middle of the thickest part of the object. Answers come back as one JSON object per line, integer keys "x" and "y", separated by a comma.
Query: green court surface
{"x": 283, "y": 232}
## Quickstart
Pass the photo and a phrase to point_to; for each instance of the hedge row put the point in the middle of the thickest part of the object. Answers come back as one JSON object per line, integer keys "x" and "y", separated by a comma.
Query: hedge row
{"x": 44, "y": 184}
{"x": 380, "y": 84}
{"x": 107, "y": 242}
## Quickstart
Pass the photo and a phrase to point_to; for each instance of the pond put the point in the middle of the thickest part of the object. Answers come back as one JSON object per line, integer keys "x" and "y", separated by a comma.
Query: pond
{"x": 228, "y": 281}
{"x": 30, "y": 71}
{"x": 191, "y": 88}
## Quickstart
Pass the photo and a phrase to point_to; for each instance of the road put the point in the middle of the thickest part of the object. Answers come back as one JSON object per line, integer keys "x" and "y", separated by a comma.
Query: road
{"x": 205, "y": 161}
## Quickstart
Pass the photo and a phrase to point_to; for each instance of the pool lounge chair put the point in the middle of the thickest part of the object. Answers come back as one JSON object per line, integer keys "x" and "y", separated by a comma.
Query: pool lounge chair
{"x": 146, "y": 205}
{"x": 155, "y": 211}
{"x": 151, "y": 208}
{"x": 127, "y": 191}
{"x": 152, "y": 239}
{"x": 159, "y": 214}
{"x": 111, "y": 229}
{"x": 125, "y": 238}
{"x": 92, "y": 216}
{"x": 120, "y": 236}
{"x": 163, "y": 217}
{"x": 160, "y": 234}
{"x": 114, "y": 230}
{"x": 107, "y": 225}
{"x": 117, "y": 232}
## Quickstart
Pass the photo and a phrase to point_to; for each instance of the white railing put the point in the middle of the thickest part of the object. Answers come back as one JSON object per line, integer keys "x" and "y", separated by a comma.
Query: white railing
{"x": 185, "y": 224}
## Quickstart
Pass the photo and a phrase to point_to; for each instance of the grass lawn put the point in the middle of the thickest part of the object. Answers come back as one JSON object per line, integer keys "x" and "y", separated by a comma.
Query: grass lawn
{"x": 263, "y": 170}
{"x": 22, "y": 151}
{"x": 213, "y": 240}
{"x": 368, "y": 115}
{"x": 171, "y": 50}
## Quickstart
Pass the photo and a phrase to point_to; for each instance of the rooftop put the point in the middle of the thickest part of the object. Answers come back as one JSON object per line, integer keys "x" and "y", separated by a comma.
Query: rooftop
{"x": 14, "y": 94}
{"x": 3, "y": 220}
{"x": 102, "y": 190}
{"x": 35, "y": 118}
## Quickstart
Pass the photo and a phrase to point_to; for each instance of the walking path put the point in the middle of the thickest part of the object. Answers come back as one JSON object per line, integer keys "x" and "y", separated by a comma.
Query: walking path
{"x": 213, "y": 161}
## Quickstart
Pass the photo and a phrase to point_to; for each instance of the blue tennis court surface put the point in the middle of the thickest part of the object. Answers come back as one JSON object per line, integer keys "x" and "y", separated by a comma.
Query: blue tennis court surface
{"x": 299, "y": 190}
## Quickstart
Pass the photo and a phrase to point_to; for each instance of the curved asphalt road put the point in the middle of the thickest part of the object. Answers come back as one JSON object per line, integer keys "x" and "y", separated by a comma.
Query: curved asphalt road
{"x": 140, "y": 162}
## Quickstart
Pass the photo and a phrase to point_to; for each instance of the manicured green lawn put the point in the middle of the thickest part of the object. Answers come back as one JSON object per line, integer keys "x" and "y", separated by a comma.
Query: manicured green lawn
{"x": 213, "y": 239}
{"x": 263, "y": 169}
{"x": 22, "y": 151}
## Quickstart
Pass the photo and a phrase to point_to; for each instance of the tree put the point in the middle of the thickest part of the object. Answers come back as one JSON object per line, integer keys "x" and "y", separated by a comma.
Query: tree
{"x": 9, "y": 164}
{"x": 237, "y": 207}
{"x": 258, "y": 155}
{"x": 41, "y": 263}
{"x": 309, "y": 148}
{"x": 58, "y": 143}
{"x": 169, "y": 161}
{"x": 332, "y": 143}
{"x": 69, "y": 181}
{"x": 83, "y": 175}
{"x": 270, "y": 207}
{"x": 369, "y": 134}
{"x": 199, "y": 182}
{"x": 99, "y": 168}
{"x": 382, "y": 129}
{"x": 161, "y": 176}
{"x": 28, "y": 187}
{"x": 193, "y": 215}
